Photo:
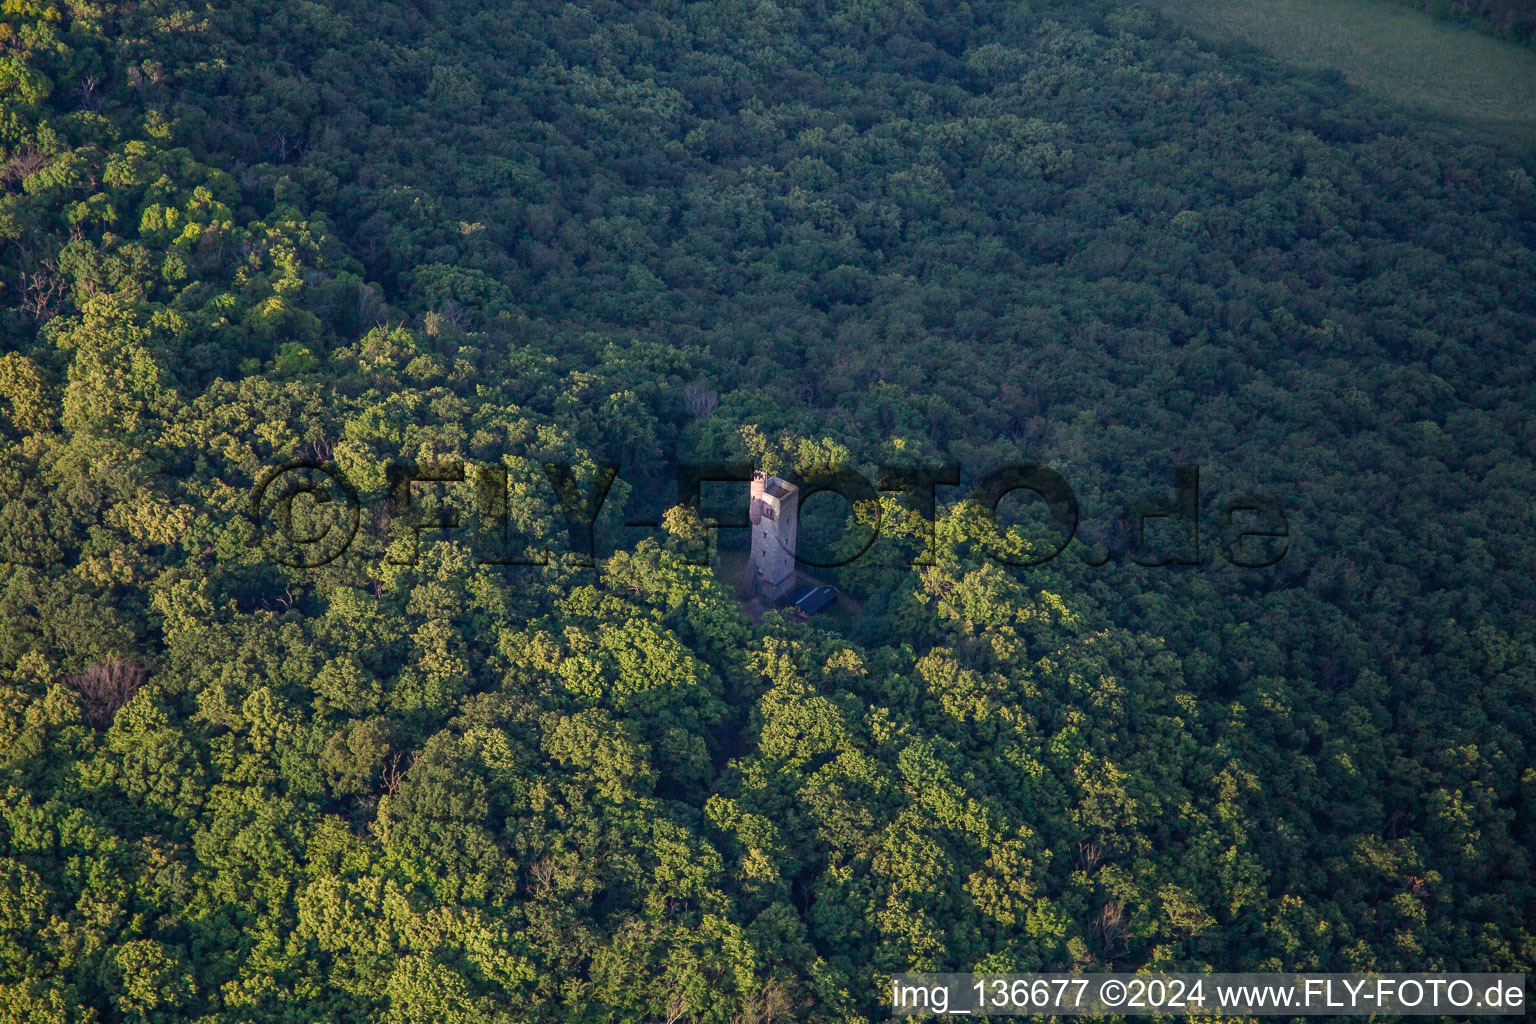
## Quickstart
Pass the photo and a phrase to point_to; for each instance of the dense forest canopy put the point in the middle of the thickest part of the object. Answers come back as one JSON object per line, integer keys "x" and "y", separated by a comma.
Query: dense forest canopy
{"x": 799, "y": 234}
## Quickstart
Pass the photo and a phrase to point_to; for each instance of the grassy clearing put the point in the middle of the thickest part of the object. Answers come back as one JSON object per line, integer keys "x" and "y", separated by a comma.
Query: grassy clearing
{"x": 1388, "y": 50}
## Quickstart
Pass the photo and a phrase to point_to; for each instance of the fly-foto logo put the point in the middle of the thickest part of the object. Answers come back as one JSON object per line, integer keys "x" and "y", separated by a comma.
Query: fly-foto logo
{"x": 307, "y": 513}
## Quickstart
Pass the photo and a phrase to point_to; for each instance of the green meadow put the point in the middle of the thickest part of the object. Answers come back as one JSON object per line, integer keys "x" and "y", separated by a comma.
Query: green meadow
{"x": 1391, "y": 51}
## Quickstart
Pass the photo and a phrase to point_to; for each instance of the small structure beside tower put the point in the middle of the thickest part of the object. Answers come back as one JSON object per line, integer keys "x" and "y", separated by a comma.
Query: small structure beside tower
{"x": 775, "y": 513}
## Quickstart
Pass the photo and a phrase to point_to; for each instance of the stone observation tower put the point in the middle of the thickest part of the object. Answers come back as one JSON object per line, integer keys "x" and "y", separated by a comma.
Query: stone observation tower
{"x": 774, "y": 514}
